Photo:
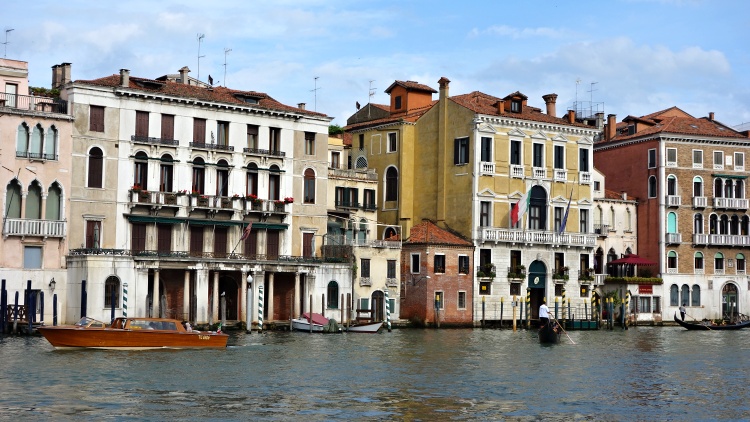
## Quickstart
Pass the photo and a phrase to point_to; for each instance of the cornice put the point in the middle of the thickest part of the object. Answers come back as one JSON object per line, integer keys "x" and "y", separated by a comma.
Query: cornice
{"x": 537, "y": 126}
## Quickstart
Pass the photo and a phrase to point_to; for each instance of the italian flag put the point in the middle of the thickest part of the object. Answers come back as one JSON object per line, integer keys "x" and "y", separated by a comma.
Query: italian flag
{"x": 519, "y": 209}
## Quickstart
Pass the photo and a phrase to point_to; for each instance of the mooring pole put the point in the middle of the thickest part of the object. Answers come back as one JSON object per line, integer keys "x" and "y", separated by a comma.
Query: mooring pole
{"x": 514, "y": 305}
{"x": 310, "y": 315}
{"x": 54, "y": 310}
{"x": 501, "y": 312}
{"x": 528, "y": 308}
{"x": 3, "y": 306}
{"x": 483, "y": 314}
{"x": 41, "y": 307}
{"x": 83, "y": 298}
{"x": 30, "y": 306}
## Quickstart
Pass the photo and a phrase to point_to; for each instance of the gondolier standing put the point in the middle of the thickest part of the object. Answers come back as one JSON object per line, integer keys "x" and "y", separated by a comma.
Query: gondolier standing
{"x": 682, "y": 312}
{"x": 544, "y": 313}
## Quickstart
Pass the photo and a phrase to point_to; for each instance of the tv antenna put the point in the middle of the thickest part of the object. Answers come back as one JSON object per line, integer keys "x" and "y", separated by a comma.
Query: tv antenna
{"x": 6, "y": 42}
{"x": 370, "y": 94}
{"x": 226, "y": 50}
{"x": 578, "y": 82}
{"x": 200, "y": 39}
{"x": 315, "y": 91}
{"x": 591, "y": 91}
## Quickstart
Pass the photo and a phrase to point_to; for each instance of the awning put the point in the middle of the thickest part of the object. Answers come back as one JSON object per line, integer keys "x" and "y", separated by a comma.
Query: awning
{"x": 729, "y": 176}
{"x": 632, "y": 259}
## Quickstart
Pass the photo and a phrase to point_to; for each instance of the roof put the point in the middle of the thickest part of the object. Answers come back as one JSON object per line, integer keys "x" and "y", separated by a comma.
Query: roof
{"x": 610, "y": 194}
{"x": 216, "y": 94}
{"x": 411, "y": 116}
{"x": 410, "y": 85}
{"x": 427, "y": 232}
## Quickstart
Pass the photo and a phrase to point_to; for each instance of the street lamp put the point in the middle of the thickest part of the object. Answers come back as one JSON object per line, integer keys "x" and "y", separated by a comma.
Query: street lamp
{"x": 415, "y": 281}
{"x": 52, "y": 285}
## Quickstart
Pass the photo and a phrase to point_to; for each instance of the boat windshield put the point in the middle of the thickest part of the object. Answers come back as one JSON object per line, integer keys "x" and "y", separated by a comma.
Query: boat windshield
{"x": 90, "y": 322}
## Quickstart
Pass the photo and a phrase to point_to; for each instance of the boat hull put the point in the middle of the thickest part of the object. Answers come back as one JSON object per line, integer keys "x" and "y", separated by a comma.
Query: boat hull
{"x": 548, "y": 334}
{"x": 63, "y": 337}
{"x": 701, "y": 327}
{"x": 302, "y": 325}
{"x": 365, "y": 328}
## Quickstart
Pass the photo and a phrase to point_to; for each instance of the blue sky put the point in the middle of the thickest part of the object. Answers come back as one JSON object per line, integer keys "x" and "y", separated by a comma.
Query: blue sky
{"x": 640, "y": 56}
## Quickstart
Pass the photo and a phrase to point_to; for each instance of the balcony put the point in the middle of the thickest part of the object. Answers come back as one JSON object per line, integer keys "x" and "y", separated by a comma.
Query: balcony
{"x": 700, "y": 239}
{"x": 158, "y": 198}
{"x": 728, "y": 240}
{"x": 216, "y": 147}
{"x": 731, "y": 203}
{"x": 34, "y": 227}
{"x": 391, "y": 282}
{"x": 516, "y": 171}
{"x": 347, "y": 204}
{"x": 602, "y": 229}
{"x": 33, "y": 103}
{"x": 539, "y": 172}
{"x": 258, "y": 151}
{"x": 365, "y": 282}
{"x": 674, "y": 200}
{"x": 536, "y": 237}
{"x": 36, "y": 156}
{"x": 700, "y": 202}
{"x": 517, "y": 273}
{"x": 154, "y": 141}
{"x": 584, "y": 177}
{"x": 486, "y": 168}
{"x": 673, "y": 238}
{"x": 561, "y": 175}
{"x": 368, "y": 175}
{"x": 264, "y": 205}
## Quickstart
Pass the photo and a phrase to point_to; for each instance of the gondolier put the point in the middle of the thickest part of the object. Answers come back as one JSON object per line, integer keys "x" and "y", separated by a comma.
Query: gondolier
{"x": 544, "y": 313}
{"x": 683, "y": 311}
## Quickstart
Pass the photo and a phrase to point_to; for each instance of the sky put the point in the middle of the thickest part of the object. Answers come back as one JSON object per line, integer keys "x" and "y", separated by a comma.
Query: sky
{"x": 624, "y": 57}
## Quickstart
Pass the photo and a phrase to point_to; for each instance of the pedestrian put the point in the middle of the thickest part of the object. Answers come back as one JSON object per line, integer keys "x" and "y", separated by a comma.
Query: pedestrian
{"x": 544, "y": 313}
{"x": 683, "y": 311}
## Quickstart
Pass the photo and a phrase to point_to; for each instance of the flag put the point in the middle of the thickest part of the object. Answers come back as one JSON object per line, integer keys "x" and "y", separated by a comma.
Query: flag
{"x": 565, "y": 216}
{"x": 519, "y": 209}
{"x": 357, "y": 105}
{"x": 218, "y": 329}
{"x": 246, "y": 232}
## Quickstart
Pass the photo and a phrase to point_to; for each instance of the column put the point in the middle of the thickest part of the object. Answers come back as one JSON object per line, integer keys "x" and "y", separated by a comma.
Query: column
{"x": 215, "y": 307}
{"x": 243, "y": 299}
{"x": 297, "y": 287}
{"x": 186, "y": 297}
{"x": 270, "y": 298}
{"x": 201, "y": 293}
{"x": 155, "y": 296}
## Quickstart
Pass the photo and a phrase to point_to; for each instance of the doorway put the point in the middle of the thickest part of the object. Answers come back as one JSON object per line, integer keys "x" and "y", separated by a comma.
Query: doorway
{"x": 378, "y": 306}
{"x": 229, "y": 287}
{"x": 729, "y": 306}
{"x": 537, "y": 286}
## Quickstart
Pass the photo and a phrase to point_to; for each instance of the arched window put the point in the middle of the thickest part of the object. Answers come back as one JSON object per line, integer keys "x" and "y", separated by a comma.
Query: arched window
{"x": 251, "y": 187}
{"x": 391, "y": 184}
{"x": 538, "y": 208}
{"x": 674, "y": 295}
{"x": 734, "y": 225}
{"x": 362, "y": 232}
{"x": 671, "y": 185}
{"x": 34, "y": 202}
{"x": 22, "y": 140}
{"x": 672, "y": 260}
{"x": 724, "y": 225}
{"x": 699, "y": 261}
{"x": 50, "y": 144}
{"x": 745, "y": 225}
{"x": 696, "y": 296}
{"x": 54, "y": 203}
{"x": 199, "y": 176}
{"x": 728, "y": 191}
{"x": 112, "y": 286}
{"x": 612, "y": 217}
{"x": 13, "y": 199}
{"x": 697, "y": 186}
{"x": 652, "y": 187}
{"x": 685, "y": 295}
{"x": 274, "y": 183}
{"x": 96, "y": 168}
{"x": 740, "y": 263}
{"x": 309, "y": 186}
{"x": 718, "y": 188}
{"x": 166, "y": 174}
{"x": 333, "y": 295}
{"x": 671, "y": 222}
{"x": 361, "y": 163}
{"x": 222, "y": 178}
{"x": 140, "y": 173}
{"x": 713, "y": 224}
{"x": 35, "y": 143}
{"x": 739, "y": 189}
{"x": 629, "y": 220}
{"x": 389, "y": 232}
{"x": 698, "y": 224}
{"x": 719, "y": 263}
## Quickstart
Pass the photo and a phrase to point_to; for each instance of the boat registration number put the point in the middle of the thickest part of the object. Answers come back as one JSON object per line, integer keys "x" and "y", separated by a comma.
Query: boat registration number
{"x": 204, "y": 337}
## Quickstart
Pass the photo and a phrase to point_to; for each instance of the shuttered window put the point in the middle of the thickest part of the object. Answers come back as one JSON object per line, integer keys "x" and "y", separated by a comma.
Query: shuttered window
{"x": 96, "y": 118}
{"x": 220, "y": 242}
{"x": 272, "y": 244}
{"x": 138, "y": 237}
{"x": 199, "y": 130}
{"x": 251, "y": 244}
{"x": 141, "y": 124}
{"x": 164, "y": 232}
{"x": 167, "y": 127}
{"x": 96, "y": 166}
{"x": 196, "y": 240}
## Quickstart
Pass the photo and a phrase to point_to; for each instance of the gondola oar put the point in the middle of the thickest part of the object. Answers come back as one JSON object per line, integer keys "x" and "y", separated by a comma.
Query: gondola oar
{"x": 563, "y": 329}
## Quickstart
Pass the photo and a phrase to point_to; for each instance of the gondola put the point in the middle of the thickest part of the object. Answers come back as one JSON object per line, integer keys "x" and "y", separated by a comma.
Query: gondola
{"x": 707, "y": 327}
{"x": 549, "y": 333}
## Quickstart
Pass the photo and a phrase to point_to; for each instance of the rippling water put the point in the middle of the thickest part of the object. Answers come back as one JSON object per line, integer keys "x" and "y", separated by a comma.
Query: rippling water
{"x": 639, "y": 374}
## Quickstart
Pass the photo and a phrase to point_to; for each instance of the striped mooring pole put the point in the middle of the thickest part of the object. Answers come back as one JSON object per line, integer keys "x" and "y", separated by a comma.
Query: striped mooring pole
{"x": 260, "y": 307}
{"x": 387, "y": 310}
{"x": 125, "y": 300}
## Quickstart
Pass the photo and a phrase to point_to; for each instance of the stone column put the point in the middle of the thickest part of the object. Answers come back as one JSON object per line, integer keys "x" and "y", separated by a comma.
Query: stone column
{"x": 297, "y": 287}
{"x": 243, "y": 299}
{"x": 155, "y": 295}
{"x": 215, "y": 307}
{"x": 201, "y": 293}
{"x": 270, "y": 297}
{"x": 186, "y": 297}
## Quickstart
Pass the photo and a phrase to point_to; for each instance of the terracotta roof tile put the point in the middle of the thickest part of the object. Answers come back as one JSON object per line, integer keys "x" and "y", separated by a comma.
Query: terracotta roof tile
{"x": 678, "y": 125}
{"x": 216, "y": 94}
{"x": 429, "y": 233}
{"x": 411, "y": 116}
{"x": 410, "y": 85}
{"x": 610, "y": 194}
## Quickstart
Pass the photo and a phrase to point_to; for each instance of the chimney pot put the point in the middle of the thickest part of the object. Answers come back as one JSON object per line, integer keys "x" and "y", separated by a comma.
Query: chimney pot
{"x": 571, "y": 116}
{"x": 711, "y": 116}
{"x": 184, "y": 75}
{"x": 501, "y": 107}
{"x": 301, "y": 106}
{"x": 550, "y": 100}
{"x": 624, "y": 196}
{"x": 124, "y": 78}
{"x": 444, "y": 82}
{"x": 609, "y": 131}
{"x": 65, "y": 76}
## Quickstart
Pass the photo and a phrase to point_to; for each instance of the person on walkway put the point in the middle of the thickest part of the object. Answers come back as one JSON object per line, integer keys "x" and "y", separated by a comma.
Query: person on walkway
{"x": 682, "y": 311}
{"x": 544, "y": 313}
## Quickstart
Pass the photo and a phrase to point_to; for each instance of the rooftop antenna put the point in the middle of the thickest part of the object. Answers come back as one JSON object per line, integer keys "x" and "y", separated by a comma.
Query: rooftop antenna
{"x": 200, "y": 39}
{"x": 226, "y": 50}
{"x": 592, "y": 92}
{"x": 315, "y": 104}
{"x": 6, "y": 42}
{"x": 370, "y": 94}
{"x": 578, "y": 82}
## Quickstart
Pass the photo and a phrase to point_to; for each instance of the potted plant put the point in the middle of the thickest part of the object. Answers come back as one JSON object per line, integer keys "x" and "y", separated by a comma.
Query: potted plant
{"x": 486, "y": 271}
{"x": 288, "y": 200}
{"x": 170, "y": 198}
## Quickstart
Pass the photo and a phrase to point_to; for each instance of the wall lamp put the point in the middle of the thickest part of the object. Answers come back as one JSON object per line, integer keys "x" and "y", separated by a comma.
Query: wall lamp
{"x": 417, "y": 280}
{"x": 52, "y": 284}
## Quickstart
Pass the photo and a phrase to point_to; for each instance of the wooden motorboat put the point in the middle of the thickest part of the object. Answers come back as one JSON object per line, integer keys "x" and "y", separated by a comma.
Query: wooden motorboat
{"x": 365, "y": 328}
{"x": 131, "y": 334}
{"x": 710, "y": 327}
{"x": 549, "y": 333}
{"x": 320, "y": 324}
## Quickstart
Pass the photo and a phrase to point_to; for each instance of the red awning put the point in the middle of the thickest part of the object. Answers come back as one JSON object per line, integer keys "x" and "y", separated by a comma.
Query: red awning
{"x": 632, "y": 259}
{"x": 316, "y": 318}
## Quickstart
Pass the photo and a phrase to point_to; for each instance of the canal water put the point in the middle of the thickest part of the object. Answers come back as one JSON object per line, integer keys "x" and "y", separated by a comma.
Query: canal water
{"x": 644, "y": 373}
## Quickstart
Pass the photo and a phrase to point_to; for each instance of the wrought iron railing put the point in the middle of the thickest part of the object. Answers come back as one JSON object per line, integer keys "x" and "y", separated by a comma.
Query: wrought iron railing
{"x": 33, "y": 103}
{"x": 155, "y": 141}
{"x": 274, "y": 153}
{"x": 182, "y": 255}
{"x": 203, "y": 145}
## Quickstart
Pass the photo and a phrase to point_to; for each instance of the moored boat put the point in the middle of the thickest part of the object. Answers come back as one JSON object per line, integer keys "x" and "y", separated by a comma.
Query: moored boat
{"x": 549, "y": 333}
{"x": 320, "y": 324}
{"x": 694, "y": 326}
{"x": 365, "y": 328}
{"x": 131, "y": 334}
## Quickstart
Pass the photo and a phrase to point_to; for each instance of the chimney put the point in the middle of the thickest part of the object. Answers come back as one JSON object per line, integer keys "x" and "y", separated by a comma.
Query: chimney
{"x": 624, "y": 195}
{"x": 56, "y": 70}
{"x": 610, "y": 129}
{"x": 184, "y": 75}
{"x": 711, "y": 116}
{"x": 65, "y": 76}
{"x": 571, "y": 116}
{"x": 124, "y": 78}
{"x": 444, "y": 82}
{"x": 301, "y": 106}
{"x": 500, "y": 107}
{"x": 550, "y": 100}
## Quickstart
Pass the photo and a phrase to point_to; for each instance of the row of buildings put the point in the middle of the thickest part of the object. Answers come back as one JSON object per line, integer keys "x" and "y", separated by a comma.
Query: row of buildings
{"x": 162, "y": 196}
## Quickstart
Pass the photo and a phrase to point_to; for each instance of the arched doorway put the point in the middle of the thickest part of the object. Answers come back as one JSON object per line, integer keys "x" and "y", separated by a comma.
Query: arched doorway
{"x": 599, "y": 261}
{"x": 538, "y": 209}
{"x": 729, "y": 303}
{"x": 229, "y": 287}
{"x": 378, "y": 306}
{"x": 537, "y": 286}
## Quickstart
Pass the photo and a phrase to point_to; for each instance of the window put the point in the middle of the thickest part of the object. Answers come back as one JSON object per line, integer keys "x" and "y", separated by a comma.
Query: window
{"x": 333, "y": 295}
{"x": 558, "y": 218}
{"x": 415, "y": 260}
{"x": 439, "y": 300}
{"x": 439, "y": 264}
{"x": 196, "y": 241}
{"x": 391, "y": 184}
{"x": 391, "y": 270}
{"x": 697, "y": 186}
{"x": 657, "y": 305}
{"x": 739, "y": 161}
{"x": 309, "y": 186}
{"x": 140, "y": 175}
{"x": 698, "y": 224}
{"x": 397, "y": 102}
{"x": 628, "y": 221}
{"x": 484, "y": 214}
{"x": 537, "y": 208}
{"x": 652, "y": 158}
{"x": 719, "y": 262}
{"x": 35, "y": 142}
{"x": 222, "y": 133}
{"x": 697, "y": 159}
{"x": 167, "y": 127}
{"x": 597, "y": 185}
{"x": 392, "y": 145}
{"x": 309, "y": 143}
{"x": 515, "y": 153}
{"x": 96, "y": 118}
{"x": 165, "y": 174}
{"x": 369, "y": 199}
{"x": 671, "y": 185}
{"x": 335, "y": 160}
{"x": 361, "y": 141}
{"x": 199, "y": 130}
{"x": 671, "y": 222}
{"x": 274, "y": 139}
{"x": 558, "y": 289}
{"x": 696, "y": 296}
{"x": 93, "y": 234}
{"x": 461, "y": 300}
{"x": 222, "y": 178}
{"x": 364, "y": 271}
{"x": 718, "y": 160}
{"x": 34, "y": 201}
{"x": 644, "y": 304}
{"x": 138, "y": 237}
{"x": 199, "y": 175}
{"x": 515, "y": 106}
{"x": 141, "y": 124}
{"x": 112, "y": 291}
{"x": 538, "y": 155}
{"x": 164, "y": 238}
{"x": 559, "y": 157}
{"x": 274, "y": 183}
{"x": 584, "y": 290}
{"x": 584, "y": 223}
{"x": 252, "y": 136}
{"x": 671, "y": 157}
{"x": 674, "y": 295}
{"x": 672, "y": 260}
{"x": 364, "y": 303}
{"x": 11, "y": 94}
{"x": 515, "y": 289}
{"x": 50, "y": 144}
{"x": 251, "y": 187}
{"x": 486, "y": 149}
{"x": 652, "y": 187}
{"x": 685, "y": 294}
{"x": 96, "y": 168}
{"x": 461, "y": 151}
{"x": 22, "y": 140}
{"x": 583, "y": 160}
{"x": 54, "y": 203}
{"x": 463, "y": 264}
{"x": 32, "y": 257}
{"x": 740, "y": 263}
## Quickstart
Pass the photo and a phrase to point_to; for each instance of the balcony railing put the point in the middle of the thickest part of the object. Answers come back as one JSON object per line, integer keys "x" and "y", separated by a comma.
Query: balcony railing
{"x": 516, "y": 171}
{"x": 33, "y": 227}
{"x": 731, "y": 203}
{"x": 673, "y": 238}
{"x": 486, "y": 168}
{"x": 158, "y": 198}
{"x": 561, "y": 175}
{"x": 728, "y": 239}
{"x": 33, "y": 103}
{"x": 602, "y": 229}
{"x": 193, "y": 256}
{"x": 203, "y": 145}
{"x": 353, "y": 174}
{"x": 153, "y": 141}
{"x": 36, "y": 155}
{"x": 700, "y": 239}
{"x": 674, "y": 200}
{"x": 365, "y": 281}
{"x": 492, "y": 234}
{"x": 700, "y": 202}
{"x": 391, "y": 282}
{"x": 584, "y": 177}
{"x": 539, "y": 172}
{"x": 273, "y": 153}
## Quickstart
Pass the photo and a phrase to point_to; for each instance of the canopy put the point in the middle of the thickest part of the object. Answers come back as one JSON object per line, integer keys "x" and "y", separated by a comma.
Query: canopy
{"x": 632, "y": 259}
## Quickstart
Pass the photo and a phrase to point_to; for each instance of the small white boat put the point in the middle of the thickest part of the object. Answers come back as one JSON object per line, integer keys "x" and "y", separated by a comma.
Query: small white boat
{"x": 365, "y": 328}
{"x": 319, "y": 323}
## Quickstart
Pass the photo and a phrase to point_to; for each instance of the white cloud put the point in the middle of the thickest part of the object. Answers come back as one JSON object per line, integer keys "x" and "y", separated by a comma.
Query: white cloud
{"x": 516, "y": 33}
